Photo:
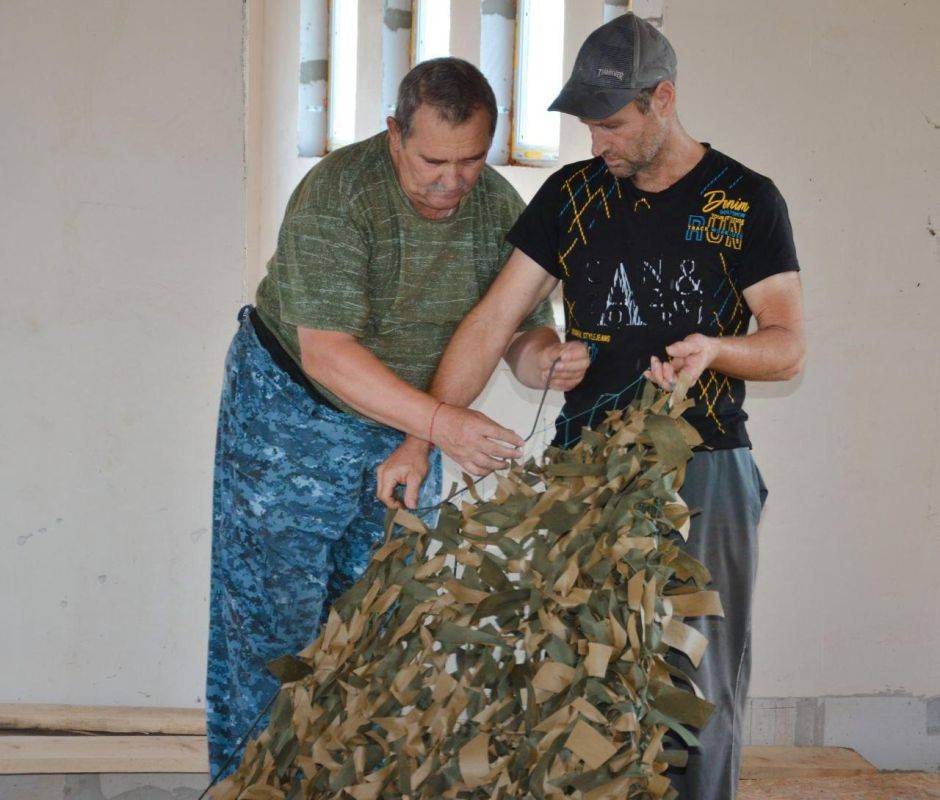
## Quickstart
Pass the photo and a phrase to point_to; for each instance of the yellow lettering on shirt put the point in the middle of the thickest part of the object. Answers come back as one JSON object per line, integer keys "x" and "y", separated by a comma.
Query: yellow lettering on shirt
{"x": 718, "y": 199}
{"x": 589, "y": 335}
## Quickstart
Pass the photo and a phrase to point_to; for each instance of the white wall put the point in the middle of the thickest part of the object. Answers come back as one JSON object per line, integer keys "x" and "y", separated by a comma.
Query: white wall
{"x": 839, "y": 103}
{"x": 835, "y": 101}
{"x": 122, "y": 253}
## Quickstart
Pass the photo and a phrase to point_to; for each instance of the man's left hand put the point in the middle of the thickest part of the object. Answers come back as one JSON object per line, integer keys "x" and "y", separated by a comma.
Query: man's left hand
{"x": 688, "y": 359}
{"x": 572, "y": 362}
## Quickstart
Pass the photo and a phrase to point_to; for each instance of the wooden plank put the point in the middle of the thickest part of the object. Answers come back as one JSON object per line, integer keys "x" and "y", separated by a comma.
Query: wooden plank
{"x": 767, "y": 762}
{"x": 51, "y": 754}
{"x": 102, "y": 719}
{"x": 896, "y": 786}
{"x": 35, "y": 755}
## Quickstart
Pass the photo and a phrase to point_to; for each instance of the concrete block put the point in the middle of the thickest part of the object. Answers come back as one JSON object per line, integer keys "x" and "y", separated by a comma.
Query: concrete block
{"x": 891, "y": 731}
{"x": 135, "y": 786}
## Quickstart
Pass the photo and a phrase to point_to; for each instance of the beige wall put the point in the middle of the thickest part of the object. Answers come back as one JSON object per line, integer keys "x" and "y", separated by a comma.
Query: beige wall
{"x": 124, "y": 258}
{"x": 835, "y": 100}
{"x": 122, "y": 253}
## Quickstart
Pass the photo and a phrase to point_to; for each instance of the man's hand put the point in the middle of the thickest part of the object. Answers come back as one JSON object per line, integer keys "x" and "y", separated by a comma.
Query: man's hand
{"x": 473, "y": 440}
{"x": 531, "y": 355}
{"x": 407, "y": 465}
{"x": 573, "y": 361}
{"x": 688, "y": 359}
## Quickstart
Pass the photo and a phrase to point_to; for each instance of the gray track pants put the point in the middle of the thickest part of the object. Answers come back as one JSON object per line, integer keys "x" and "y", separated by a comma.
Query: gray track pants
{"x": 727, "y": 486}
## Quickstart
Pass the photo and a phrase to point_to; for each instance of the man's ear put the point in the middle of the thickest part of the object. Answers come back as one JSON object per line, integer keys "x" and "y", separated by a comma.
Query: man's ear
{"x": 394, "y": 133}
{"x": 664, "y": 98}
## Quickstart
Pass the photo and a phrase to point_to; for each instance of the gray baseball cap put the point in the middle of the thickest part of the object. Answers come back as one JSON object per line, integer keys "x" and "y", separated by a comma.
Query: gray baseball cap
{"x": 615, "y": 63}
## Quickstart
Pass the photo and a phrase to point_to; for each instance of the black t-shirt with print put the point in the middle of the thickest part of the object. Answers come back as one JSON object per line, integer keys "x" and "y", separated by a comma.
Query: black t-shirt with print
{"x": 642, "y": 270}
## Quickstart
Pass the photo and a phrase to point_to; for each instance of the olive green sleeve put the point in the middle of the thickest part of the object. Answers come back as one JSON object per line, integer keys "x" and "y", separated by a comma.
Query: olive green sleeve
{"x": 322, "y": 267}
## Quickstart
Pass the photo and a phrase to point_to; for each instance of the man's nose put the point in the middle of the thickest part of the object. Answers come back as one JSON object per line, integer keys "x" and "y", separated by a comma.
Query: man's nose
{"x": 450, "y": 177}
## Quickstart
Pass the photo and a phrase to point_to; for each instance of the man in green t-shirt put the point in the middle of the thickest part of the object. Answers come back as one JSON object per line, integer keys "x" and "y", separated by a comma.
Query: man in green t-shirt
{"x": 385, "y": 246}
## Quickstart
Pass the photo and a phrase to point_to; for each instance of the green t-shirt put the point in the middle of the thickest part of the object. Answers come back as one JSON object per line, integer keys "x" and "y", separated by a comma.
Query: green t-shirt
{"x": 354, "y": 256}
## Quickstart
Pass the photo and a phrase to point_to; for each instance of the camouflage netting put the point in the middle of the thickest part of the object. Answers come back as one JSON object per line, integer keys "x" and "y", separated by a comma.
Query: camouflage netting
{"x": 517, "y": 650}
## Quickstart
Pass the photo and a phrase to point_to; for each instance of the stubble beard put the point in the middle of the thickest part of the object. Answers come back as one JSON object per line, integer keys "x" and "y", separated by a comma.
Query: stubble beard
{"x": 648, "y": 151}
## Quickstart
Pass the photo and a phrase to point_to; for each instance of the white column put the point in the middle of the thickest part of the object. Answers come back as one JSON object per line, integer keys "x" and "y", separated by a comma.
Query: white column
{"x": 650, "y": 10}
{"x": 497, "y": 51}
{"x": 396, "y": 50}
{"x": 615, "y": 8}
{"x": 311, "y": 96}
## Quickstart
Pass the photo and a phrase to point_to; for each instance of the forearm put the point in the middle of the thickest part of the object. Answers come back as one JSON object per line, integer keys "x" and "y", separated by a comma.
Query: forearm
{"x": 485, "y": 334}
{"x": 361, "y": 380}
{"x": 773, "y": 353}
{"x": 470, "y": 359}
{"x": 523, "y": 355}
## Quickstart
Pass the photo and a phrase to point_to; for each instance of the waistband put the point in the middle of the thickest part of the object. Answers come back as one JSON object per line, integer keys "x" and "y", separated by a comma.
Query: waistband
{"x": 283, "y": 359}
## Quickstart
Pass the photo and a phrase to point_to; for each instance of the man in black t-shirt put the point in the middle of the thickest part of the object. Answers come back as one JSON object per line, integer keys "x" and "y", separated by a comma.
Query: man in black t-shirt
{"x": 665, "y": 248}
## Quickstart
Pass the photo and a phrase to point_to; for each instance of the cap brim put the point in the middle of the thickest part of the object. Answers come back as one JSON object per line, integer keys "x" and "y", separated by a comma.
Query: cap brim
{"x": 590, "y": 102}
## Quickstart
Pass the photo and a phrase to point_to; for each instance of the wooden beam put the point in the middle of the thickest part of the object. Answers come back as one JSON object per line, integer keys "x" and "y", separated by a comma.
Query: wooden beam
{"x": 43, "y": 755}
{"x": 188, "y": 754}
{"x": 102, "y": 719}
{"x": 173, "y": 740}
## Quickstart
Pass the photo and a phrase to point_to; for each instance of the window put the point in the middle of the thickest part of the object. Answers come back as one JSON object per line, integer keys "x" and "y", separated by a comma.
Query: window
{"x": 432, "y": 29}
{"x": 518, "y": 45}
{"x": 540, "y": 45}
{"x": 344, "y": 36}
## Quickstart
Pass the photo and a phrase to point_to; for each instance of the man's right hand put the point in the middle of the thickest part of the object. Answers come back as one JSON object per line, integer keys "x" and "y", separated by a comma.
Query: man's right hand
{"x": 407, "y": 466}
{"x": 473, "y": 440}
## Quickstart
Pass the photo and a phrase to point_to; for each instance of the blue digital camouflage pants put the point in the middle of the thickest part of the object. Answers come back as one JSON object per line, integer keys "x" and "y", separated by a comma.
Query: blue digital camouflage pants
{"x": 294, "y": 520}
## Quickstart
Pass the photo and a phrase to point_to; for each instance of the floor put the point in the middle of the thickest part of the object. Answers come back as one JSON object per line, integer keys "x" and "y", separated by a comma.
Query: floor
{"x": 883, "y": 786}
{"x": 891, "y": 786}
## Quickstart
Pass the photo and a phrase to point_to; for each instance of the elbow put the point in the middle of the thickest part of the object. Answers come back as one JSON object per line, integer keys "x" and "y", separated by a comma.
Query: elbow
{"x": 790, "y": 373}
{"x": 322, "y": 366}
{"x": 795, "y": 367}
{"x": 321, "y": 354}
{"x": 316, "y": 366}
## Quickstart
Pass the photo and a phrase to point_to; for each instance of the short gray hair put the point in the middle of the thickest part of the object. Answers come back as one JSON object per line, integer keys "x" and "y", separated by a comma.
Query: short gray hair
{"x": 453, "y": 87}
{"x": 645, "y": 99}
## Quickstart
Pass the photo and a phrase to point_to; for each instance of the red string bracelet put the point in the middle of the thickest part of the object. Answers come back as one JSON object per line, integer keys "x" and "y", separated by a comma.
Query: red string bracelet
{"x": 433, "y": 415}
